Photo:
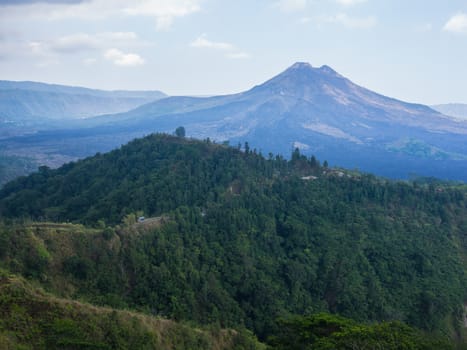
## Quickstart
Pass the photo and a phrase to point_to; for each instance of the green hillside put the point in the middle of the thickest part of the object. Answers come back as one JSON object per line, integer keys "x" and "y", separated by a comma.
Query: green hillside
{"x": 233, "y": 239}
{"x": 32, "y": 319}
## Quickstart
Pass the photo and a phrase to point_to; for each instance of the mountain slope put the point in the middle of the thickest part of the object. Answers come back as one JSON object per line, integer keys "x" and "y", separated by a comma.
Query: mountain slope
{"x": 237, "y": 239}
{"x": 321, "y": 92}
{"x": 312, "y": 98}
{"x": 323, "y": 113}
{"x": 30, "y": 103}
{"x": 315, "y": 109}
{"x": 455, "y": 110}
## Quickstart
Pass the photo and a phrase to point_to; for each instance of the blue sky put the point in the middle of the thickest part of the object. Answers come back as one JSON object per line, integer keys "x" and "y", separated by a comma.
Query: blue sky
{"x": 411, "y": 50}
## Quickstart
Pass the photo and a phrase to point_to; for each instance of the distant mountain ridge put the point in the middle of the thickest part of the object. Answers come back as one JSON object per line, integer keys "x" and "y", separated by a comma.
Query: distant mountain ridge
{"x": 315, "y": 109}
{"x": 27, "y": 101}
{"x": 455, "y": 110}
{"x": 77, "y": 90}
{"x": 29, "y": 107}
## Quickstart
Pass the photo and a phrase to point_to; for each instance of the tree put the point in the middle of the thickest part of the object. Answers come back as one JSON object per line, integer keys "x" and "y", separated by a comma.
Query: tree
{"x": 247, "y": 148}
{"x": 295, "y": 154}
{"x": 180, "y": 131}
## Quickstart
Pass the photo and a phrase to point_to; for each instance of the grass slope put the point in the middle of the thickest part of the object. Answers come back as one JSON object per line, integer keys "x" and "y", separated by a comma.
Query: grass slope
{"x": 33, "y": 319}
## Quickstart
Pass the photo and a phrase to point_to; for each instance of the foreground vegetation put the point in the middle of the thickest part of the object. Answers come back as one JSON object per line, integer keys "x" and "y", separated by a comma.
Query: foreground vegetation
{"x": 239, "y": 240}
{"x": 32, "y": 319}
{"x": 326, "y": 332}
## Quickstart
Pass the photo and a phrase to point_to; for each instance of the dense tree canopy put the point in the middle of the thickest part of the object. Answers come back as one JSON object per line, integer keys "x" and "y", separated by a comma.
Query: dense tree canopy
{"x": 240, "y": 239}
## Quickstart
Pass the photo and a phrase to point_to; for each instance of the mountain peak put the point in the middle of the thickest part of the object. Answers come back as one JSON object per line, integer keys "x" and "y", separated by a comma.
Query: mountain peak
{"x": 306, "y": 68}
{"x": 301, "y": 79}
{"x": 327, "y": 69}
{"x": 301, "y": 65}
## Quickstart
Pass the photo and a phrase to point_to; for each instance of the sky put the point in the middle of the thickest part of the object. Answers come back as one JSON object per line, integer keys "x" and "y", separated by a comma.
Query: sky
{"x": 412, "y": 50}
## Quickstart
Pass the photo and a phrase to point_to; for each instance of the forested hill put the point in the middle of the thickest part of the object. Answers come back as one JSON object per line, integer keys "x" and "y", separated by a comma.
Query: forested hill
{"x": 153, "y": 175}
{"x": 241, "y": 239}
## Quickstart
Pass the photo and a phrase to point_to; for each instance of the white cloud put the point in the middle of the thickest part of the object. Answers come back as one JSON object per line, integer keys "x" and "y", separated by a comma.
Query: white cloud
{"x": 163, "y": 11}
{"x": 120, "y": 36}
{"x": 73, "y": 43}
{"x": 120, "y": 58}
{"x": 89, "y": 10}
{"x": 457, "y": 23}
{"x": 350, "y": 2}
{"x": 36, "y": 47}
{"x": 201, "y": 42}
{"x": 291, "y": 5}
{"x": 353, "y": 22}
{"x": 84, "y": 42}
{"x": 78, "y": 45}
{"x": 42, "y": 56}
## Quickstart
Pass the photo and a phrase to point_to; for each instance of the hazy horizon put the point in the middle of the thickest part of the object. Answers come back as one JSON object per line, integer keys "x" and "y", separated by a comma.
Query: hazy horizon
{"x": 413, "y": 52}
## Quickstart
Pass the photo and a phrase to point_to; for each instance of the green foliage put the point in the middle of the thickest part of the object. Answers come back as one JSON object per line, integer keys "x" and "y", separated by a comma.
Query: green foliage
{"x": 78, "y": 267}
{"x": 327, "y": 332}
{"x": 247, "y": 238}
{"x": 31, "y": 319}
{"x": 153, "y": 175}
{"x": 180, "y": 131}
{"x": 31, "y": 257}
